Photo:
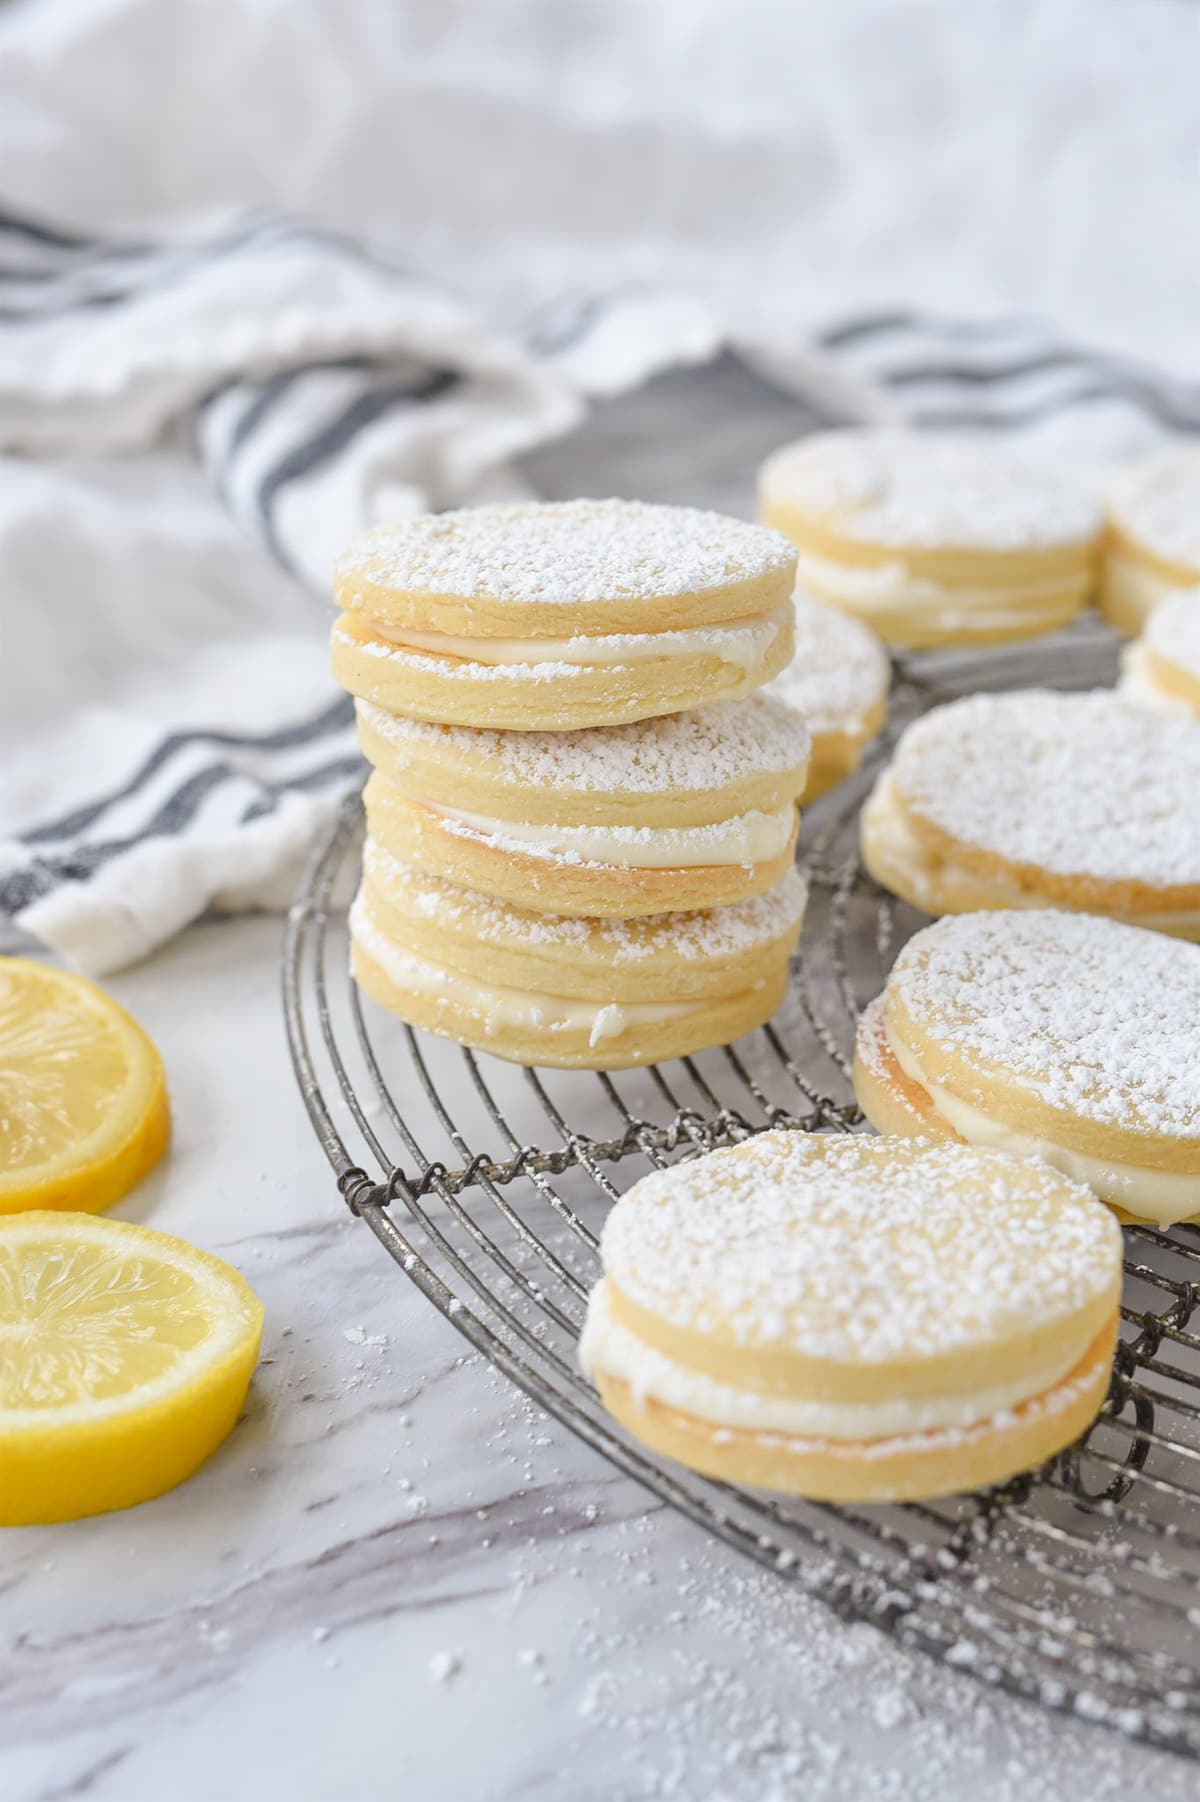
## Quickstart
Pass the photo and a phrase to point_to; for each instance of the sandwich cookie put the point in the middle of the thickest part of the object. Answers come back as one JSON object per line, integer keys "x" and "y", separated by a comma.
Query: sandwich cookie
{"x": 1152, "y": 539}
{"x": 1058, "y": 1036}
{"x": 694, "y": 811}
{"x": 1035, "y": 798}
{"x": 569, "y": 993}
{"x": 932, "y": 542}
{"x": 838, "y": 682}
{"x": 854, "y": 1319}
{"x": 1161, "y": 669}
{"x": 551, "y": 616}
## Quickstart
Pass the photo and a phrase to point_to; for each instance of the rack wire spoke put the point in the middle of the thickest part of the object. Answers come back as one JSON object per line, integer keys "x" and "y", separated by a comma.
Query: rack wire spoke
{"x": 1077, "y": 1585}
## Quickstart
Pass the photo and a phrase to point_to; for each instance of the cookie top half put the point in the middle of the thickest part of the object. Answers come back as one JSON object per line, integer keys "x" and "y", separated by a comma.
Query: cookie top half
{"x": 866, "y": 1258}
{"x": 903, "y": 492}
{"x": 565, "y": 568}
{"x": 1057, "y": 1021}
{"x": 1153, "y": 509}
{"x": 1073, "y": 785}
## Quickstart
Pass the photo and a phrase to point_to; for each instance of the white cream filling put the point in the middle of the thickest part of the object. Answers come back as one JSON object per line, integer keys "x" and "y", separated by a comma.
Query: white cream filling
{"x": 525, "y": 1009}
{"x": 748, "y": 838}
{"x": 1163, "y": 1196}
{"x": 1137, "y": 684}
{"x": 609, "y": 1348}
{"x": 890, "y": 588}
{"x": 743, "y": 644}
{"x": 898, "y": 855}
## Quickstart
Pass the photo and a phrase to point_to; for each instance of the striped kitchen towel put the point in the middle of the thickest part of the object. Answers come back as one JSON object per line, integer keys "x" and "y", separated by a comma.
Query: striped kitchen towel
{"x": 315, "y": 387}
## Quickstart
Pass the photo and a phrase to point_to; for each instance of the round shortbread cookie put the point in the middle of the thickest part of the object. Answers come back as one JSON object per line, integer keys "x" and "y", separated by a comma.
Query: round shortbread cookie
{"x": 1161, "y": 669}
{"x": 1035, "y": 797}
{"x": 697, "y": 810}
{"x": 1152, "y": 539}
{"x": 1063, "y": 1037}
{"x": 568, "y": 994}
{"x": 554, "y": 616}
{"x": 855, "y": 1319}
{"x": 665, "y": 957}
{"x": 930, "y": 541}
{"x": 838, "y": 682}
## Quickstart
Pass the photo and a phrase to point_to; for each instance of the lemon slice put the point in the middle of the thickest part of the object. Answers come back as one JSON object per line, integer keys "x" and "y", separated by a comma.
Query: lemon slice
{"x": 83, "y": 1099}
{"x": 125, "y": 1356}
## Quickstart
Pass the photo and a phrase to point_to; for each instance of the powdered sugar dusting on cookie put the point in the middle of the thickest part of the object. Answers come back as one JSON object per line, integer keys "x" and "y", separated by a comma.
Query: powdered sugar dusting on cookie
{"x": 565, "y": 553}
{"x": 698, "y": 751}
{"x": 895, "y": 488}
{"x": 1157, "y": 504}
{"x": 720, "y": 932}
{"x": 1096, "y": 1018}
{"x": 1078, "y": 785}
{"x": 839, "y": 672}
{"x": 1173, "y": 631}
{"x": 861, "y": 1250}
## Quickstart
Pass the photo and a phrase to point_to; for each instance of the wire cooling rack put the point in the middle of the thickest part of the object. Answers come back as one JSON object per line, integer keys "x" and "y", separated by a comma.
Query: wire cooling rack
{"x": 1077, "y": 1586}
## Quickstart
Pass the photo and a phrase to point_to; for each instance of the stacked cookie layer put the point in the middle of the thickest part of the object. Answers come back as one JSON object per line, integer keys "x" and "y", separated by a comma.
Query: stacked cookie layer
{"x": 581, "y": 819}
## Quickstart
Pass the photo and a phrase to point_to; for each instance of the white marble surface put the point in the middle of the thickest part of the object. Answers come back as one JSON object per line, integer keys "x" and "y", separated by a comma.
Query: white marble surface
{"x": 398, "y": 1580}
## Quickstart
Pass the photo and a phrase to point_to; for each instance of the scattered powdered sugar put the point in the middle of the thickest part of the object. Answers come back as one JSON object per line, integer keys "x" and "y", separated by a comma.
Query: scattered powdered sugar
{"x": 860, "y": 1250}
{"x": 718, "y": 933}
{"x": 698, "y": 751}
{"x": 1157, "y": 503}
{"x": 1079, "y": 784}
{"x": 565, "y": 552}
{"x": 896, "y": 488}
{"x": 839, "y": 672}
{"x": 1089, "y": 1015}
{"x": 1173, "y": 630}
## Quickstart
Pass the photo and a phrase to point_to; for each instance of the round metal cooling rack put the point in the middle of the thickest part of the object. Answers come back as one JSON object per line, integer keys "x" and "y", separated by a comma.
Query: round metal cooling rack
{"x": 1078, "y": 1585}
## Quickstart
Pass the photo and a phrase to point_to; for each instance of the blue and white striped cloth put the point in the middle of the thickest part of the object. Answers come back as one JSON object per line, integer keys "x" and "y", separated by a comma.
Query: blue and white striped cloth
{"x": 319, "y": 388}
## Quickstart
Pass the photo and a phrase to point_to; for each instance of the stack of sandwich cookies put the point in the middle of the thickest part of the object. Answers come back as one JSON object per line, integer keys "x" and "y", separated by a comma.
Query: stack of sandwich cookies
{"x": 838, "y": 682}
{"x": 855, "y": 1319}
{"x": 932, "y": 542}
{"x": 1036, "y": 798}
{"x": 1152, "y": 537}
{"x": 564, "y": 991}
{"x": 559, "y": 616}
{"x": 1061, "y": 1037}
{"x": 696, "y": 810}
{"x": 565, "y": 864}
{"x": 1161, "y": 669}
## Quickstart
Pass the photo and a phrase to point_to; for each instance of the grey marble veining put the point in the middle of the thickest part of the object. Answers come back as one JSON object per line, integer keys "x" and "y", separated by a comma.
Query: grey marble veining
{"x": 399, "y": 1580}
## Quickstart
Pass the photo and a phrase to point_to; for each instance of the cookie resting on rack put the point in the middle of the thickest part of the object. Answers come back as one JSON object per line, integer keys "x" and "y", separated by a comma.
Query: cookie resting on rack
{"x": 1057, "y": 1036}
{"x": 1152, "y": 536}
{"x": 1035, "y": 798}
{"x": 853, "y": 1319}
{"x": 837, "y": 682}
{"x": 557, "y": 615}
{"x": 569, "y": 993}
{"x": 694, "y": 811}
{"x": 933, "y": 542}
{"x": 1161, "y": 669}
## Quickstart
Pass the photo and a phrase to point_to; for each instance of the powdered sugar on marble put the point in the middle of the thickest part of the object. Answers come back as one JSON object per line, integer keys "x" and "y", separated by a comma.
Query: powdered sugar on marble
{"x": 565, "y": 553}
{"x": 1091, "y": 1016}
{"x": 895, "y": 488}
{"x": 1080, "y": 785}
